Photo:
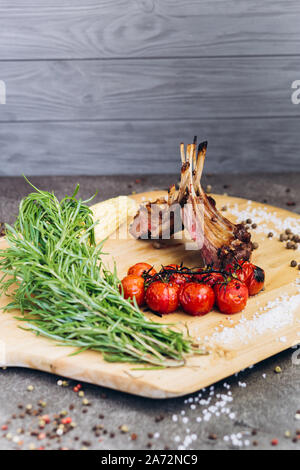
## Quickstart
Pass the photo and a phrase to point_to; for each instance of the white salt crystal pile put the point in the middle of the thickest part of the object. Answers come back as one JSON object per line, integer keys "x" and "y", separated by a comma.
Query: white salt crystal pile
{"x": 278, "y": 314}
{"x": 265, "y": 219}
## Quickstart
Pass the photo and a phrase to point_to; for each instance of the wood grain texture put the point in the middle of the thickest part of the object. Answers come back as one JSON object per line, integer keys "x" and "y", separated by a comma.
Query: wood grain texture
{"x": 235, "y": 146}
{"x": 81, "y": 76}
{"x": 22, "y": 348}
{"x": 30, "y": 29}
{"x": 143, "y": 89}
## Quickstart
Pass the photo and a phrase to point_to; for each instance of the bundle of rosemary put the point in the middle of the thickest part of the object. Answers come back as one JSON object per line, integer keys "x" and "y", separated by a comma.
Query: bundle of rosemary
{"x": 54, "y": 272}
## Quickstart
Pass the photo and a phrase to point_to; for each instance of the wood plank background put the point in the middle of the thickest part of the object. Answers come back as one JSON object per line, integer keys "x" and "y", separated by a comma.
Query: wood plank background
{"x": 73, "y": 29}
{"x": 101, "y": 86}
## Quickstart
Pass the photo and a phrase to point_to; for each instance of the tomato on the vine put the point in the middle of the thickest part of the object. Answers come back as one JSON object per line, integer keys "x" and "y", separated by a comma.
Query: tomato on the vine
{"x": 209, "y": 278}
{"x": 231, "y": 296}
{"x": 180, "y": 277}
{"x": 169, "y": 267}
{"x": 133, "y": 286}
{"x": 139, "y": 269}
{"x": 197, "y": 299}
{"x": 162, "y": 297}
{"x": 241, "y": 269}
{"x": 256, "y": 280}
{"x": 251, "y": 275}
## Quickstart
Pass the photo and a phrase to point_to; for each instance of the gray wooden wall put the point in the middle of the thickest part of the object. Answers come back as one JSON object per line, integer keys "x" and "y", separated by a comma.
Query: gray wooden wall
{"x": 113, "y": 86}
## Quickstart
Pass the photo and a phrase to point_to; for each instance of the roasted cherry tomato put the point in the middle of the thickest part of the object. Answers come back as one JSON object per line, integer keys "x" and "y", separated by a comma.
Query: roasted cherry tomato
{"x": 171, "y": 266}
{"x": 140, "y": 268}
{"x": 162, "y": 297}
{"x": 242, "y": 270}
{"x": 133, "y": 286}
{"x": 209, "y": 278}
{"x": 179, "y": 278}
{"x": 253, "y": 276}
{"x": 256, "y": 281}
{"x": 232, "y": 296}
{"x": 197, "y": 299}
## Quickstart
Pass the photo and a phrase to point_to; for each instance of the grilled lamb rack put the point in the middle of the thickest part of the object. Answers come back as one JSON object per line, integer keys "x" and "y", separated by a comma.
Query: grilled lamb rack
{"x": 219, "y": 240}
{"x": 159, "y": 219}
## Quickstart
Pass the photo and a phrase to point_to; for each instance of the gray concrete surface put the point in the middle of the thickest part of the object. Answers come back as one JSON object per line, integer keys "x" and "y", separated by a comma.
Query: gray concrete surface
{"x": 263, "y": 406}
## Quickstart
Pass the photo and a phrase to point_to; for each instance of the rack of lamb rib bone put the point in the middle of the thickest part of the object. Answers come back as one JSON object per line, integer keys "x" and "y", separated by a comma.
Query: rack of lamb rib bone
{"x": 219, "y": 241}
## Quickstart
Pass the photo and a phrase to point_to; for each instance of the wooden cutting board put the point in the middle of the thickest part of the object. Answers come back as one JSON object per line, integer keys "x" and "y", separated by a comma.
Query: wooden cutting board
{"x": 262, "y": 330}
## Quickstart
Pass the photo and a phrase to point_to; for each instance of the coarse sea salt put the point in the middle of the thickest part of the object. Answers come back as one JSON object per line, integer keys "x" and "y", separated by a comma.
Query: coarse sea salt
{"x": 263, "y": 217}
{"x": 208, "y": 408}
{"x": 283, "y": 339}
{"x": 211, "y": 404}
{"x": 278, "y": 314}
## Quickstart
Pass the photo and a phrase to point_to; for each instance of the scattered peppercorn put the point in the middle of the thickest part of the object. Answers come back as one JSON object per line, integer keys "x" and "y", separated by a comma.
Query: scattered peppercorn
{"x": 283, "y": 237}
{"x": 159, "y": 418}
{"x": 86, "y": 443}
{"x": 293, "y": 263}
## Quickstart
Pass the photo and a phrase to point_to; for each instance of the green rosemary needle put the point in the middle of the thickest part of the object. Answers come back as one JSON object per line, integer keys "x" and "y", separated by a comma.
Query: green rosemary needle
{"x": 59, "y": 283}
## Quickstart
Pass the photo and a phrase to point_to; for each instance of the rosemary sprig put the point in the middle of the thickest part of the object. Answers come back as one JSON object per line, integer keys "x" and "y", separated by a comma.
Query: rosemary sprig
{"x": 53, "y": 271}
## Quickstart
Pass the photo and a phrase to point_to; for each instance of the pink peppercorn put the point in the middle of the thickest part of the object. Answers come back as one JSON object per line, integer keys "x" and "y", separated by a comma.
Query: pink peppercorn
{"x": 67, "y": 420}
{"x": 46, "y": 418}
